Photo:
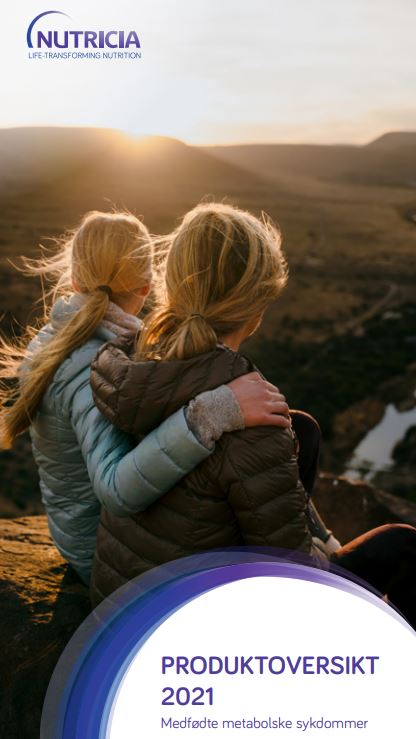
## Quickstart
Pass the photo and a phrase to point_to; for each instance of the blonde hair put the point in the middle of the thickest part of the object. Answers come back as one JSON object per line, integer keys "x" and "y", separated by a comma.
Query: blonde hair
{"x": 108, "y": 256}
{"x": 222, "y": 268}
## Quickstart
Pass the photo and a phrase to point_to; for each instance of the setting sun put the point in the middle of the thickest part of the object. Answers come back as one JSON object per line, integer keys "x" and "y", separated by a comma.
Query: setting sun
{"x": 224, "y": 72}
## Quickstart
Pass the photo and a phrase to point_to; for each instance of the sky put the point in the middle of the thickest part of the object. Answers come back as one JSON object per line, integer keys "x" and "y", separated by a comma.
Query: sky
{"x": 222, "y": 71}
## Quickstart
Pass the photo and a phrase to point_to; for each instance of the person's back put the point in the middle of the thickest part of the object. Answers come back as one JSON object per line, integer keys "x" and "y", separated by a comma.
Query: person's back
{"x": 104, "y": 264}
{"x": 247, "y": 492}
{"x": 71, "y": 505}
{"x": 223, "y": 268}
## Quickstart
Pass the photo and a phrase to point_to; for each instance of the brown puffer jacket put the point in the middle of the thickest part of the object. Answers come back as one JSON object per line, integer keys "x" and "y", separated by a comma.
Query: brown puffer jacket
{"x": 247, "y": 492}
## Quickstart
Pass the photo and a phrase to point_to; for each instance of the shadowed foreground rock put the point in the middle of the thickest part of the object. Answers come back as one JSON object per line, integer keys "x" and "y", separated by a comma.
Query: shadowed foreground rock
{"x": 42, "y": 603}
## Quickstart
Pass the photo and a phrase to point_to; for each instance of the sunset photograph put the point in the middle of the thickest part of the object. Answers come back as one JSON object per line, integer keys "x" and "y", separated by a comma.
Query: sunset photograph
{"x": 291, "y": 127}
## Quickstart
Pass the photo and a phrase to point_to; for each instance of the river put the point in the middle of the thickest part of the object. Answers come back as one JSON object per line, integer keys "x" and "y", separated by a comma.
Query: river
{"x": 374, "y": 452}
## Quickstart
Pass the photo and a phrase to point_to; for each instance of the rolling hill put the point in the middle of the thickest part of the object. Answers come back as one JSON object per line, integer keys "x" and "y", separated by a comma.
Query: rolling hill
{"x": 394, "y": 140}
{"x": 99, "y": 163}
{"x": 389, "y": 160}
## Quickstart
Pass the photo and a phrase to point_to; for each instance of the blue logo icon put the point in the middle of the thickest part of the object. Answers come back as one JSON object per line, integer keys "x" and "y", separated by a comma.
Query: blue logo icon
{"x": 70, "y": 39}
{"x": 35, "y": 20}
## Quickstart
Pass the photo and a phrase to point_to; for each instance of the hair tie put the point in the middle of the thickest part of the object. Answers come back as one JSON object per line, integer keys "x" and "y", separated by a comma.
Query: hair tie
{"x": 105, "y": 289}
{"x": 194, "y": 315}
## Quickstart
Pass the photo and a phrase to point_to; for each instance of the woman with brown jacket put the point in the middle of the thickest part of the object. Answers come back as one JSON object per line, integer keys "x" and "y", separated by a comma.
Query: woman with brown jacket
{"x": 223, "y": 267}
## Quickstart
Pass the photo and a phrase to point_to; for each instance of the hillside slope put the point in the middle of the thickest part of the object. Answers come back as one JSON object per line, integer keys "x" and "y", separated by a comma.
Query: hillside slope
{"x": 388, "y": 160}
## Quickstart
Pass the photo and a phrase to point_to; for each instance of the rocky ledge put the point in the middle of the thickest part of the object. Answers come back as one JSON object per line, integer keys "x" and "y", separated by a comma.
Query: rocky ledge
{"x": 351, "y": 508}
{"x": 42, "y": 603}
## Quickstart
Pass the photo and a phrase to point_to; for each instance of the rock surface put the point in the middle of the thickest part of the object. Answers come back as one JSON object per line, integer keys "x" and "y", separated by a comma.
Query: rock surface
{"x": 42, "y": 603}
{"x": 351, "y": 508}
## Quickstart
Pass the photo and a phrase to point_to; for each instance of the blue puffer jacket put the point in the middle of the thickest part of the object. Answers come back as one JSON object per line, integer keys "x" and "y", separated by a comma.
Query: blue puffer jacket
{"x": 84, "y": 461}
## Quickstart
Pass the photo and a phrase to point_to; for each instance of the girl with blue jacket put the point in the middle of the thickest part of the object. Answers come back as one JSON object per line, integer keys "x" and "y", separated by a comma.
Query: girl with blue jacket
{"x": 102, "y": 275}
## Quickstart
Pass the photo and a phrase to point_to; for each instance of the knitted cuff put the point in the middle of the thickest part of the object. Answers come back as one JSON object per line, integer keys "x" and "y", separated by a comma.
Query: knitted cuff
{"x": 212, "y": 413}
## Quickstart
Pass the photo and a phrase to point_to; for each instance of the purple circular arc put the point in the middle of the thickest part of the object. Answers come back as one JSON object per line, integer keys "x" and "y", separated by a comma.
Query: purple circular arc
{"x": 35, "y": 20}
{"x": 88, "y": 675}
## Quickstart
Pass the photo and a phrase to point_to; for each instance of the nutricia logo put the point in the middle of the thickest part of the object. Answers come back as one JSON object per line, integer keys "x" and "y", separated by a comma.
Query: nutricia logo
{"x": 45, "y": 42}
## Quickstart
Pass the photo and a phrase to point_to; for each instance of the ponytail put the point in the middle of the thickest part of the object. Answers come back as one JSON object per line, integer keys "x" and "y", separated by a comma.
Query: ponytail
{"x": 182, "y": 338}
{"x": 36, "y": 377}
{"x": 222, "y": 268}
{"x": 108, "y": 256}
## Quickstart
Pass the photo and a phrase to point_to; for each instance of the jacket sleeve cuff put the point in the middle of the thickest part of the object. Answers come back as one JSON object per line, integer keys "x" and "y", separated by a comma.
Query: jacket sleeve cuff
{"x": 160, "y": 461}
{"x": 212, "y": 413}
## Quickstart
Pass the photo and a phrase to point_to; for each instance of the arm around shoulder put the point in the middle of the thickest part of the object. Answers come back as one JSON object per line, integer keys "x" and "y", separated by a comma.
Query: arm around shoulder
{"x": 128, "y": 478}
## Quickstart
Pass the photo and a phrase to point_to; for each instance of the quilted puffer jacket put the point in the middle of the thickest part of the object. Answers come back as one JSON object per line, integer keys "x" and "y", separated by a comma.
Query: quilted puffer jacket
{"x": 247, "y": 492}
{"x": 84, "y": 461}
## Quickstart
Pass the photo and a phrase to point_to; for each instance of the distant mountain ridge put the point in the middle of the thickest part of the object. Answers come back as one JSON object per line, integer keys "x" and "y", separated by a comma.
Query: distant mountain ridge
{"x": 76, "y": 169}
{"x": 40, "y": 155}
{"x": 388, "y": 160}
{"x": 394, "y": 140}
